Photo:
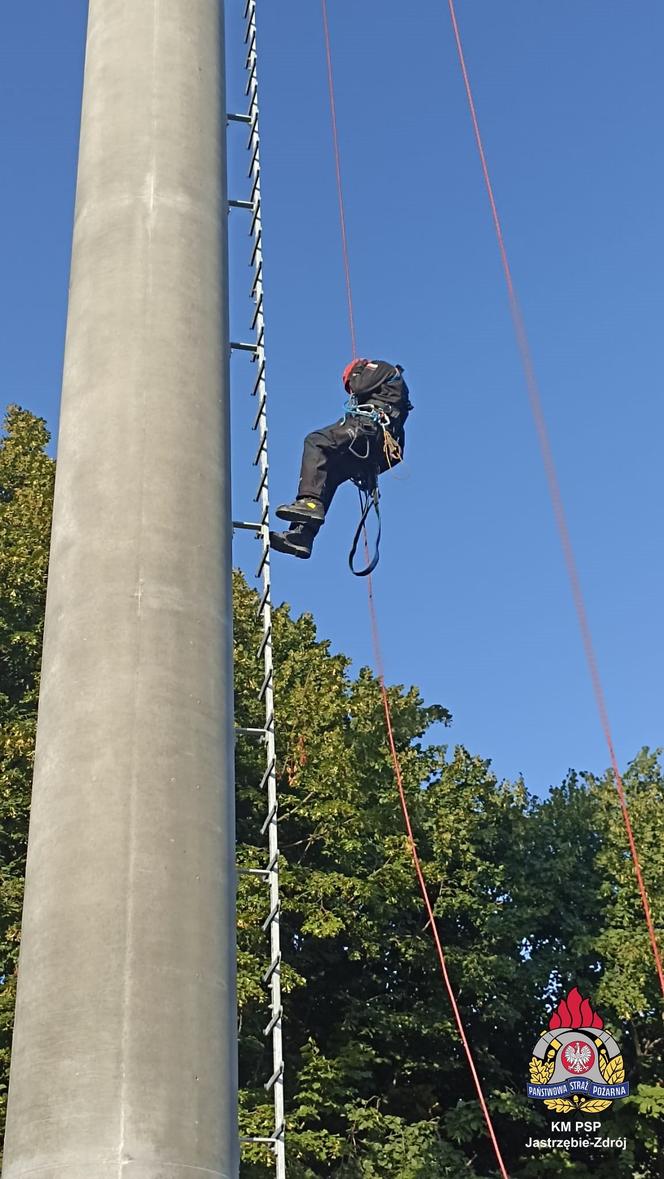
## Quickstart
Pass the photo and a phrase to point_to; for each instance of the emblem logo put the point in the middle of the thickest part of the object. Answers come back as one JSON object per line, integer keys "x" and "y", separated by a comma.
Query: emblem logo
{"x": 576, "y": 1064}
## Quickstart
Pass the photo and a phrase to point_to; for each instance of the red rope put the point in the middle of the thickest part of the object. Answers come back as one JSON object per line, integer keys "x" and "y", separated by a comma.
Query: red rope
{"x": 340, "y": 195}
{"x": 556, "y": 498}
{"x": 379, "y": 659}
{"x": 422, "y": 882}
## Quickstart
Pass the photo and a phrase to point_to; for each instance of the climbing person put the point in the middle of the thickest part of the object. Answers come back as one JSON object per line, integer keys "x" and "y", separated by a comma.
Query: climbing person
{"x": 365, "y": 442}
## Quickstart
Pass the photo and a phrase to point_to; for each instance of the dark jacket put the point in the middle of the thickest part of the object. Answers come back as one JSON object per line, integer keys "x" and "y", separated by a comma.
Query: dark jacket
{"x": 379, "y": 383}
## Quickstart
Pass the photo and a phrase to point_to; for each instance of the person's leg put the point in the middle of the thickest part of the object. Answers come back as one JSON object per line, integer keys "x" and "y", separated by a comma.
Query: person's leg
{"x": 331, "y": 456}
{"x": 298, "y": 540}
{"x": 322, "y": 459}
{"x": 321, "y": 449}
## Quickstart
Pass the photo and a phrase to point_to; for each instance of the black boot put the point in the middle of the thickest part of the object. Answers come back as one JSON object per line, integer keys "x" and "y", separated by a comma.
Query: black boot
{"x": 297, "y": 542}
{"x": 302, "y": 511}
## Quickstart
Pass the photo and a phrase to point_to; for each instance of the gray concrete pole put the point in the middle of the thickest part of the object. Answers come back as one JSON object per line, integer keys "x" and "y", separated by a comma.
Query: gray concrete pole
{"x": 124, "y": 1058}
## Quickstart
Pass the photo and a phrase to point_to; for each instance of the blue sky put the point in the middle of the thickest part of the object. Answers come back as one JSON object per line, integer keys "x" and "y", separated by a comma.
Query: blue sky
{"x": 472, "y": 594}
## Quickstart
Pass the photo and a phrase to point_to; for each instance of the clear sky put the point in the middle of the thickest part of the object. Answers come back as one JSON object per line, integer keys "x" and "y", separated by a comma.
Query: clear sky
{"x": 472, "y": 594}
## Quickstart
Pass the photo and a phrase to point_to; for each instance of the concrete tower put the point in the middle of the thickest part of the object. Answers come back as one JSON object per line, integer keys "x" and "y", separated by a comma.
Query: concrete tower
{"x": 124, "y": 1058}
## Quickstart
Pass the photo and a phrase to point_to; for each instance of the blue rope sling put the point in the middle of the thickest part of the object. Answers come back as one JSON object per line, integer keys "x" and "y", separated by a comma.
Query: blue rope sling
{"x": 367, "y": 484}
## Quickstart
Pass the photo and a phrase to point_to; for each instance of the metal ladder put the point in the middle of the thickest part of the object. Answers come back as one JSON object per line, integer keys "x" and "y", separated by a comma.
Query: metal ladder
{"x": 270, "y": 873}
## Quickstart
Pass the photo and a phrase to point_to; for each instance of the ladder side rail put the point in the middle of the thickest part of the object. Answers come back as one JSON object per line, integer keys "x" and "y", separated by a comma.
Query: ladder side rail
{"x": 274, "y": 1027}
{"x": 272, "y": 802}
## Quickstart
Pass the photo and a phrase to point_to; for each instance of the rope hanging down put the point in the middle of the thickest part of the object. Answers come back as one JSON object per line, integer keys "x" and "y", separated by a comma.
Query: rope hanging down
{"x": 340, "y": 195}
{"x": 369, "y": 499}
{"x": 536, "y": 406}
{"x": 379, "y": 667}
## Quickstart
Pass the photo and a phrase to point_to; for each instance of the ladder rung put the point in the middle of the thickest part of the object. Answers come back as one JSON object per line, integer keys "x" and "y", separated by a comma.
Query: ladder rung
{"x": 250, "y": 82}
{"x": 264, "y": 642}
{"x": 247, "y": 525}
{"x": 274, "y": 965}
{"x": 253, "y": 112}
{"x": 236, "y": 118}
{"x": 253, "y": 140}
{"x": 247, "y": 731}
{"x": 274, "y": 913}
{"x": 258, "y": 312}
{"x": 256, "y": 1139}
{"x": 238, "y": 346}
{"x": 251, "y": 143}
{"x": 261, "y": 408}
{"x": 258, "y": 280}
{"x": 263, "y": 562}
{"x": 276, "y": 1076}
{"x": 259, "y": 377}
{"x": 273, "y": 864}
{"x": 257, "y": 245}
{"x": 240, "y": 204}
{"x": 261, "y": 448}
{"x": 261, "y": 486}
{"x": 273, "y": 1022}
{"x": 272, "y": 814}
{"x": 267, "y": 773}
{"x": 264, "y": 601}
{"x": 266, "y": 684}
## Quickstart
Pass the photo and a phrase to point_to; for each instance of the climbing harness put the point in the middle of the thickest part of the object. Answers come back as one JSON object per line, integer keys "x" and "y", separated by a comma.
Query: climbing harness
{"x": 368, "y": 412}
{"x": 378, "y": 417}
{"x": 367, "y": 482}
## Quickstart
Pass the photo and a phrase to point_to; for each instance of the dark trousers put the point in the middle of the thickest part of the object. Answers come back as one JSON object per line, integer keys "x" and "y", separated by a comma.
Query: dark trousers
{"x": 335, "y": 454}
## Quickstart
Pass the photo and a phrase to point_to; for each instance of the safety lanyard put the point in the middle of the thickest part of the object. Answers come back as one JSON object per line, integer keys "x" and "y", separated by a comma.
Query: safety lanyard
{"x": 369, "y": 498}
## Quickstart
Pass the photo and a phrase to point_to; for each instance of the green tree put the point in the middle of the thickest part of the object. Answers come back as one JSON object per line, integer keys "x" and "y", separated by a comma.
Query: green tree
{"x": 26, "y": 496}
{"x": 377, "y": 1082}
{"x": 531, "y": 897}
{"x": 629, "y": 988}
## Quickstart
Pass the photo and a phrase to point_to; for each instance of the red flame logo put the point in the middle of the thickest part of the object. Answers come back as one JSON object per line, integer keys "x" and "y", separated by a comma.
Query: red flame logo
{"x": 575, "y": 1012}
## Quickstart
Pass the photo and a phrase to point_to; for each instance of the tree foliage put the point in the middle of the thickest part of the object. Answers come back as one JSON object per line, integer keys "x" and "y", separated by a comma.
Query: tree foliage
{"x": 26, "y": 496}
{"x": 532, "y": 896}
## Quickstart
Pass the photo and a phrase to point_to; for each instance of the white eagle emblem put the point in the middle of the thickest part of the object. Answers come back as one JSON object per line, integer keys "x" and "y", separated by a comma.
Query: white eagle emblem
{"x": 577, "y": 1057}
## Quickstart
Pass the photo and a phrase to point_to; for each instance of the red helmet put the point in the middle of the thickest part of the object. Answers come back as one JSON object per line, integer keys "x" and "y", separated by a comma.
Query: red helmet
{"x": 348, "y": 370}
